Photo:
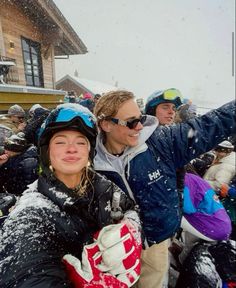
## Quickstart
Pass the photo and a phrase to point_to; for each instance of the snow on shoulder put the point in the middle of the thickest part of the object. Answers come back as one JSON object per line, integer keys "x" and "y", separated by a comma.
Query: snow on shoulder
{"x": 32, "y": 198}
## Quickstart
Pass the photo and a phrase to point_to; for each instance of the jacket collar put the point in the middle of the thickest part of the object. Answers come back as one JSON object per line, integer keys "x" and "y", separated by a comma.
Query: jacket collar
{"x": 57, "y": 192}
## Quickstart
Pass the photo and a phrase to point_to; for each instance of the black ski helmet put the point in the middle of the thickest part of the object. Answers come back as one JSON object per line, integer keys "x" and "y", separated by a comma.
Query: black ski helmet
{"x": 71, "y": 116}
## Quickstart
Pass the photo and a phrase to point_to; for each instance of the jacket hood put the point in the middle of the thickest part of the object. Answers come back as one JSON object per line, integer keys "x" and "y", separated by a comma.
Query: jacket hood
{"x": 229, "y": 159}
{"x": 106, "y": 161}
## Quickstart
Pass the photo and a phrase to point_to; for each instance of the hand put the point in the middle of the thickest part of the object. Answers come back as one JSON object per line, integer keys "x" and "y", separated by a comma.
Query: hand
{"x": 224, "y": 190}
{"x": 21, "y": 126}
{"x": 86, "y": 274}
{"x": 120, "y": 245}
{"x": 4, "y": 158}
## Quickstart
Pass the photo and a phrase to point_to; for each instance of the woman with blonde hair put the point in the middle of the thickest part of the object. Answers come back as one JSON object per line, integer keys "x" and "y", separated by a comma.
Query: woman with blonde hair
{"x": 72, "y": 227}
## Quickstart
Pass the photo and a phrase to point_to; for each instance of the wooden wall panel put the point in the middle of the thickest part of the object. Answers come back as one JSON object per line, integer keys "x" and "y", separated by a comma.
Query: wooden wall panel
{"x": 15, "y": 24}
{"x": 68, "y": 85}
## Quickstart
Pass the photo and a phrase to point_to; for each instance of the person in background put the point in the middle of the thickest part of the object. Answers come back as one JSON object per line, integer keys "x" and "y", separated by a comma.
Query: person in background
{"x": 222, "y": 171}
{"x": 142, "y": 157}
{"x": 97, "y": 97}
{"x": 72, "y": 227}
{"x": 221, "y": 176}
{"x": 228, "y": 198}
{"x": 163, "y": 109}
{"x": 70, "y": 97}
{"x": 37, "y": 115}
{"x": 33, "y": 108}
{"x": 18, "y": 165}
{"x": 204, "y": 216}
{"x": 209, "y": 265}
{"x": 5, "y": 132}
{"x": 79, "y": 98}
{"x": 191, "y": 188}
{"x": 15, "y": 119}
{"x": 89, "y": 101}
{"x": 203, "y": 162}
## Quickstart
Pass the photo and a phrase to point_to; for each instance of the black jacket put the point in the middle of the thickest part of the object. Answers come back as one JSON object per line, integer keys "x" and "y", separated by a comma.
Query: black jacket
{"x": 208, "y": 264}
{"x": 48, "y": 222}
{"x": 19, "y": 171}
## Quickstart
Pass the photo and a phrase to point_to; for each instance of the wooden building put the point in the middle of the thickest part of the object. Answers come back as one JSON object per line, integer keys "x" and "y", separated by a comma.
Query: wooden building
{"x": 32, "y": 33}
{"x": 82, "y": 85}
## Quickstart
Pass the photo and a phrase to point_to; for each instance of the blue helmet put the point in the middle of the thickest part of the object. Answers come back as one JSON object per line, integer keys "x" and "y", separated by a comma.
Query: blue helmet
{"x": 71, "y": 116}
{"x": 171, "y": 95}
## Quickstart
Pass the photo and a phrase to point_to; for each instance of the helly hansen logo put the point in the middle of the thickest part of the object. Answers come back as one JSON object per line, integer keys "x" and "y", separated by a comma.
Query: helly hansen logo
{"x": 154, "y": 175}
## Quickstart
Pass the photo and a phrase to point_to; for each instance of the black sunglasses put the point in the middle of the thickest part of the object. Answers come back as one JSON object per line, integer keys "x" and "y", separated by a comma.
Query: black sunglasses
{"x": 131, "y": 124}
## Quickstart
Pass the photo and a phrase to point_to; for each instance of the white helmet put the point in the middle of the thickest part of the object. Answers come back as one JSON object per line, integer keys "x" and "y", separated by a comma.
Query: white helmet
{"x": 226, "y": 144}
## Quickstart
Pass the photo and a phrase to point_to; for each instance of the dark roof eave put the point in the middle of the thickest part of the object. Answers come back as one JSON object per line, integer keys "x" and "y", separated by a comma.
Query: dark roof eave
{"x": 64, "y": 49}
{"x": 70, "y": 43}
{"x": 71, "y": 38}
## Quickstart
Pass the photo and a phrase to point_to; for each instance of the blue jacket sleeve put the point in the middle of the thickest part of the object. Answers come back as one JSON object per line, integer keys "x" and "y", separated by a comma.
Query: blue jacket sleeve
{"x": 201, "y": 134}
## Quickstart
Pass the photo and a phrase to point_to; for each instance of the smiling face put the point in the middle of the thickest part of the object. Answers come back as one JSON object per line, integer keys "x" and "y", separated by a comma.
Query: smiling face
{"x": 117, "y": 136}
{"x": 165, "y": 113}
{"x": 68, "y": 153}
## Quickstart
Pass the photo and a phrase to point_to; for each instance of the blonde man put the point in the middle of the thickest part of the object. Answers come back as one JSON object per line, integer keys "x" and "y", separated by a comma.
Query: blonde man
{"x": 142, "y": 158}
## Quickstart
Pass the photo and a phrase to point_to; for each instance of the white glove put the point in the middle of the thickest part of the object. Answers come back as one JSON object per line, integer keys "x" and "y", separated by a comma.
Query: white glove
{"x": 121, "y": 247}
{"x": 86, "y": 274}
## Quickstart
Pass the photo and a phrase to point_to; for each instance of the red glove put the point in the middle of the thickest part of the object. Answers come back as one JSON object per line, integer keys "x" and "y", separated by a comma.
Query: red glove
{"x": 121, "y": 247}
{"x": 87, "y": 275}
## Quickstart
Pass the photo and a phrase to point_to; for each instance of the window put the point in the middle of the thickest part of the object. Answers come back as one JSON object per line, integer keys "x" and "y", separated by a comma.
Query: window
{"x": 32, "y": 62}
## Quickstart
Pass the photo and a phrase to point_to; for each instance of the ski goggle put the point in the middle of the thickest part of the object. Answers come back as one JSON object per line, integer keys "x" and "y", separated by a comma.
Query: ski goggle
{"x": 170, "y": 95}
{"x": 131, "y": 124}
{"x": 62, "y": 117}
{"x": 66, "y": 115}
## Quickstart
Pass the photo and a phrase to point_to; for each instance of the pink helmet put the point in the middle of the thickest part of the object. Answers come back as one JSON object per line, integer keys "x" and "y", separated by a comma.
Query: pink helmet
{"x": 88, "y": 95}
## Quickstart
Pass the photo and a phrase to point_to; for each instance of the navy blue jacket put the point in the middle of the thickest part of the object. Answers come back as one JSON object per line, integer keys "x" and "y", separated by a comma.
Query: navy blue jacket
{"x": 148, "y": 171}
{"x": 19, "y": 171}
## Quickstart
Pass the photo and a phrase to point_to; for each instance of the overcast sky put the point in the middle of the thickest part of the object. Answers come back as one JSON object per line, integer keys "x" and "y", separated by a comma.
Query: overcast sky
{"x": 147, "y": 45}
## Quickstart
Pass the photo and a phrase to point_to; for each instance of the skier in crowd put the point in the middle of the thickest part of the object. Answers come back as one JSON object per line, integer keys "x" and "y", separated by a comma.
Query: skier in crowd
{"x": 142, "y": 159}
{"x": 222, "y": 171}
{"x": 37, "y": 115}
{"x": 164, "y": 109}
{"x": 15, "y": 118}
{"x": 202, "y": 210}
{"x": 221, "y": 176}
{"x": 209, "y": 265}
{"x": 18, "y": 164}
{"x": 90, "y": 101}
{"x": 42, "y": 243}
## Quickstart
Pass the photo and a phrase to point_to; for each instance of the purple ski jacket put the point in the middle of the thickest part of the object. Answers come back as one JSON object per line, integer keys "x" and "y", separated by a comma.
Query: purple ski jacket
{"x": 203, "y": 210}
